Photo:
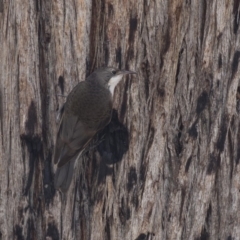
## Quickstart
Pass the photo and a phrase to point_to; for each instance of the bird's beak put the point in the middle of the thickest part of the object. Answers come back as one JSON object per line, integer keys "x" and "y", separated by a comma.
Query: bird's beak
{"x": 124, "y": 72}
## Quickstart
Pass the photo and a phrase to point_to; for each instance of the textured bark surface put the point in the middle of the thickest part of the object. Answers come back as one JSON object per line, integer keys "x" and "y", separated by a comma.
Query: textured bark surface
{"x": 167, "y": 166}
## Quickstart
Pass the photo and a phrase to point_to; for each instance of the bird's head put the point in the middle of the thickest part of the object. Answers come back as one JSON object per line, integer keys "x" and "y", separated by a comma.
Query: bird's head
{"x": 109, "y": 77}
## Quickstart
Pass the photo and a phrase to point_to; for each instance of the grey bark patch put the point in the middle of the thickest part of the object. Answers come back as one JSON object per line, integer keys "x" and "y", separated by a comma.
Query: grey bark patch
{"x": 61, "y": 83}
{"x": 106, "y": 50}
{"x": 18, "y": 232}
{"x": 1, "y": 113}
{"x": 202, "y": 102}
{"x": 178, "y": 68}
{"x": 1, "y": 6}
{"x": 204, "y": 235}
{"x": 103, "y": 171}
{"x": 47, "y": 38}
{"x": 132, "y": 29}
{"x": 130, "y": 54}
{"x": 188, "y": 163}
{"x": 31, "y": 231}
{"x": 238, "y": 156}
{"x": 132, "y": 178}
{"x": 146, "y": 74}
{"x": 178, "y": 139}
{"x": 133, "y": 22}
{"x": 124, "y": 212}
{"x": 110, "y": 10}
{"x": 219, "y": 61}
{"x": 237, "y": 160}
{"x": 52, "y": 232}
{"x": 142, "y": 236}
{"x": 134, "y": 199}
{"x": 119, "y": 57}
{"x": 47, "y": 173}
{"x": 222, "y": 135}
{"x": 161, "y": 92}
{"x": 238, "y": 100}
{"x": 151, "y": 134}
{"x": 124, "y": 101}
{"x": 213, "y": 164}
{"x": 209, "y": 213}
{"x": 193, "y": 130}
{"x": 107, "y": 230}
{"x": 31, "y": 122}
{"x": 43, "y": 74}
{"x": 34, "y": 147}
{"x": 204, "y": 11}
{"x": 236, "y": 15}
{"x": 183, "y": 194}
{"x": 235, "y": 63}
{"x": 166, "y": 39}
{"x": 231, "y": 151}
{"x": 143, "y": 171}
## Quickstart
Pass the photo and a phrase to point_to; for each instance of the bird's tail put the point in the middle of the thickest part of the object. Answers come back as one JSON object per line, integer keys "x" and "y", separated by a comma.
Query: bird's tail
{"x": 63, "y": 175}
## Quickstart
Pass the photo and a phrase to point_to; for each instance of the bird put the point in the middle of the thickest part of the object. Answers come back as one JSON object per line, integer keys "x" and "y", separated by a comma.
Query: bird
{"x": 87, "y": 110}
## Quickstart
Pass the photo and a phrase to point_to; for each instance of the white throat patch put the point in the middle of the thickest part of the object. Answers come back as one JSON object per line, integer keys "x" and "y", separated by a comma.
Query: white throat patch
{"x": 113, "y": 82}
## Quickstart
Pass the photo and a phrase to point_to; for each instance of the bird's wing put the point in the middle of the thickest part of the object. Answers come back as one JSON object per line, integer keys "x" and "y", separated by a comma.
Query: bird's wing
{"x": 63, "y": 175}
{"x": 72, "y": 138}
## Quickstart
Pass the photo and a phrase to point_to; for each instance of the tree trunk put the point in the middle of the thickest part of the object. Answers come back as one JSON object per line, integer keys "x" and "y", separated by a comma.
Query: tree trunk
{"x": 167, "y": 166}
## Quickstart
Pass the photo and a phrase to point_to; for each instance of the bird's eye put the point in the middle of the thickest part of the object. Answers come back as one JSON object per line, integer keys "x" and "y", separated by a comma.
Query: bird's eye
{"x": 114, "y": 72}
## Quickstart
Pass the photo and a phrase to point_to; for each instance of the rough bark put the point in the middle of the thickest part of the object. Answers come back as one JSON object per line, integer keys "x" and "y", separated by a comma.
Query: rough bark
{"x": 167, "y": 167}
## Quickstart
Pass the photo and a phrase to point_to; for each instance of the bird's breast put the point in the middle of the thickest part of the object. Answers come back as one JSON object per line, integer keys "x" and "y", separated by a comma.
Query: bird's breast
{"x": 92, "y": 106}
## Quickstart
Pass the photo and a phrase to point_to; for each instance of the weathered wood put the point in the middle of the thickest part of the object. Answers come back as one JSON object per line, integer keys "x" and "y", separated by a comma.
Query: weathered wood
{"x": 167, "y": 167}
